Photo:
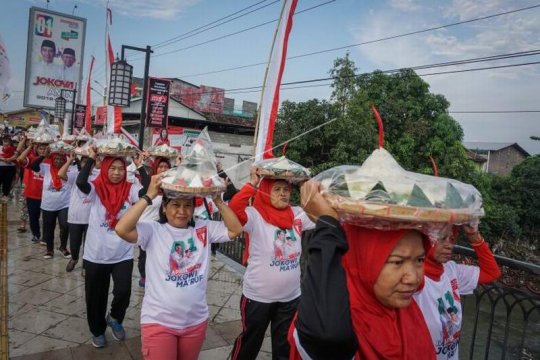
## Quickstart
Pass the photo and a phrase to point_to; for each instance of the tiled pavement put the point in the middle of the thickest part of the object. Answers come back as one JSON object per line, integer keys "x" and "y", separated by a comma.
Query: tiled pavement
{"x": 47, "y": 316}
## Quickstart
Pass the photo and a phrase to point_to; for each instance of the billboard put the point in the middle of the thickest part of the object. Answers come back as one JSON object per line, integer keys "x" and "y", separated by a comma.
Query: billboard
{"x": 158, "y": 102}
{"x": 180, "y": 138}
{"x": 54, "y": 57}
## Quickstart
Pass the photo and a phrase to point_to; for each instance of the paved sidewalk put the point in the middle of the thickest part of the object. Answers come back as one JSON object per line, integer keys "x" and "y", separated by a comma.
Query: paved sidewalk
{"x": 47, "y": 316}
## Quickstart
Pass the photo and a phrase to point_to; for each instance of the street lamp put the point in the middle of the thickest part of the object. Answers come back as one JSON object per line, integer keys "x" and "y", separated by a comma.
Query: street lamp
{"x": 120, "y": 85}
{"x": 60, "y": 106}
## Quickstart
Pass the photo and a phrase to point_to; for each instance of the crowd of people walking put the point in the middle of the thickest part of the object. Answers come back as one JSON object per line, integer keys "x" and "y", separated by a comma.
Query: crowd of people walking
{"x": 364, "y": 293}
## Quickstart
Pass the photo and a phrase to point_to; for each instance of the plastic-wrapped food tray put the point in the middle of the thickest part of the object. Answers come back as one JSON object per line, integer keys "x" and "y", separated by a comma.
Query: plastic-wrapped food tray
{"x": 381, "y": 194}
{"x": 353, "y": 208}
{"x": 116, "y": 152}
{"x": 174, "y": 191}
{"x": 282, "y": 168}
{"x": 60, "y": 147}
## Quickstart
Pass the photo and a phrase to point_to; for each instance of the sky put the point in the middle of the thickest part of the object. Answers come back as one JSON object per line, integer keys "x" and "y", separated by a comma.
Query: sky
{"x": 333, "y": 24}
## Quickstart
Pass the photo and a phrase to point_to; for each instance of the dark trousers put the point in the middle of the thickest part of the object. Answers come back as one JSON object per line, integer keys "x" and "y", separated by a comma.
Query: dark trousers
{"x": 77, "y": 235}
{"x": 97, "y": 281}
{"x": 142, "y": 262}
{"x": 7, "y": 173}
{"x": 255, "y": 319}
{"x": 49, "y": 224}
{"x": 34, "y": 212}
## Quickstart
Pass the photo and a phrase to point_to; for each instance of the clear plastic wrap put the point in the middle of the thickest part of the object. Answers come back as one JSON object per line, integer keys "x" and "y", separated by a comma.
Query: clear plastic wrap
{"x": 60, "y": 147}
{"x": 116, "y": 145}
{"x": 381, "y": 194}
{"x": 197, "y": 174}
{"x": 83, "y": 150}
{"x": 83, "y": 135}
{"x": 164, "y": 151}
{"x": 44, "y": 134}
{"x": 68, "y": 138}
{"x": 283, "y": 168}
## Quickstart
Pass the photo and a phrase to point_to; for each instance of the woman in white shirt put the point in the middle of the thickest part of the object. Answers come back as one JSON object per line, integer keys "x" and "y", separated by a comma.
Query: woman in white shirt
{"x": 174, "y": 312}
{"x": 271, "y": 288}
{"x": 105, "y": 254}
{"x": 54, "y": 200}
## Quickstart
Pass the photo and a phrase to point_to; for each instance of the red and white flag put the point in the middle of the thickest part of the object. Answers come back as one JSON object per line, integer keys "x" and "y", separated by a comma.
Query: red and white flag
{"x": 114, "y": 113}
{"x": 88, "y": 114}
{"x": 270, "y": 96}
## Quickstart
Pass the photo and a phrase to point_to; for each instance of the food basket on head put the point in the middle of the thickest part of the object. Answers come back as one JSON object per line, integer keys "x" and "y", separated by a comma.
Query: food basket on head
{"x": 61, "y": 147}
{"x": 197, "y": 174}
{"x": 283, "y": 169}
{"x": 381, "y": 194}
{"x": 163, "y": 151}
{"x": 116, "y": 146}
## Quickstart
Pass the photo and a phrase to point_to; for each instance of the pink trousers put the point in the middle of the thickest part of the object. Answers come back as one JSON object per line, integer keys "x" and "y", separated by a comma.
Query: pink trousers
{"x": 160, "y": 342}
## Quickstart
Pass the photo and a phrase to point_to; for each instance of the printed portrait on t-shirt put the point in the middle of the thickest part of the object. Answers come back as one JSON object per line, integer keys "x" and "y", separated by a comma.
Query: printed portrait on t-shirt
{"x": 450, "y": 319}
{"x": 285, "y": 246}
{"x": 182, "y": 256}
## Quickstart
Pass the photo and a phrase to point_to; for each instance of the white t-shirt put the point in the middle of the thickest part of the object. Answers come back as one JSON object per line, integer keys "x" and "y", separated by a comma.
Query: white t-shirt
{"x": 151, "y": 213}
{"x": 273, "y": 271}
{"x": 79, "y": 203}
{"x": 440, "y": 302}
{"x": 177, "y": 271}
{"x": 52, "y": 199}
{"x": 102, "y": 245}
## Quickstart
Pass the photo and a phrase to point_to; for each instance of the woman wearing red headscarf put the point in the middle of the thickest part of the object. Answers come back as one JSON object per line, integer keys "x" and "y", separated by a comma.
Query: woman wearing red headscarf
{"x": 271, "y": 287}
{"x": 54, "y": 200}
{"x": 106, "y": 255}
{"x": 357, "y": 293}
{"x": 446, "y": 282}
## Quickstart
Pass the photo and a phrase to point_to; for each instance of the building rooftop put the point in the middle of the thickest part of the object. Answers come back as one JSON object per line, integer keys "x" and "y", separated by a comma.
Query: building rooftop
{"x": 492, "y": 146}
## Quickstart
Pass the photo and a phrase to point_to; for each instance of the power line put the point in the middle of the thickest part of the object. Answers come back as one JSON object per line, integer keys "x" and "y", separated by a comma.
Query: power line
{"x": 371, "y": 41}
{"x": 234, "y": 33}
{"x": 205, "y": 27}
{"x": 259, "y": 88}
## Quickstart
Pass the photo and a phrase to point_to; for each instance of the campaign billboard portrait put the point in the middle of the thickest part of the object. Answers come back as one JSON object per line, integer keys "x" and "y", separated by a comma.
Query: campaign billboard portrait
{"x": 54, "y": 57}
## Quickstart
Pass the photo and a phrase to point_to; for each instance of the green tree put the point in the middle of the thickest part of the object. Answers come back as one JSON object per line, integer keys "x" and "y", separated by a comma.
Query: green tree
{"x": 527, "y": 191}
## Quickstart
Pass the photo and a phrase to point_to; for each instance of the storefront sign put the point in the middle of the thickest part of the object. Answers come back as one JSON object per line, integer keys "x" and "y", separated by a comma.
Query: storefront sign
{"x": 158, "y": 102}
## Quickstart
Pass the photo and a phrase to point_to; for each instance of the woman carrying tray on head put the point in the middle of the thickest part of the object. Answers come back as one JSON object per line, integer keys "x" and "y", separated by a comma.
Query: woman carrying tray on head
{"x": 271, "y": 289}
{"x": 79, "y": 209}
{"x": 446, "y": 282}
{"x": 105, "y": 253}
{"x": 174, "y": 313}
{"x": 33, "y": 186}
{"x": 357, "y": 292}
{"x": 54, "y": 200}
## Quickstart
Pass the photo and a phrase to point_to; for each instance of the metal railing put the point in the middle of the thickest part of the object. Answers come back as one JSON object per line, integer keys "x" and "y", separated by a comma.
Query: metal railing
{"x": 234, "y": 249}
{"x": 502, "y": 320}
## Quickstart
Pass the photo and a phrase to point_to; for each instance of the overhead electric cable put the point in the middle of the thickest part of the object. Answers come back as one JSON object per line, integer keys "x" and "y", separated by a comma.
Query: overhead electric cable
{"x": 235, "y": 33}
{"x": 371, "y": 41}
{"x": 206, "y": 27}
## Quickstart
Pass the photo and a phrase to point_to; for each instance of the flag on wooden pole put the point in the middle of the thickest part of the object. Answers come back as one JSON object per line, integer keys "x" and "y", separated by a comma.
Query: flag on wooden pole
{"x": 272, "y": 81}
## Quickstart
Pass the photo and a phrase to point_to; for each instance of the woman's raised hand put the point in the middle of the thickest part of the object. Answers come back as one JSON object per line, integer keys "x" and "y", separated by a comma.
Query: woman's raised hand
{"x": 155, "y": 186}
{"x": 313, "y": 203}
{"x": 254, "y": 177}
